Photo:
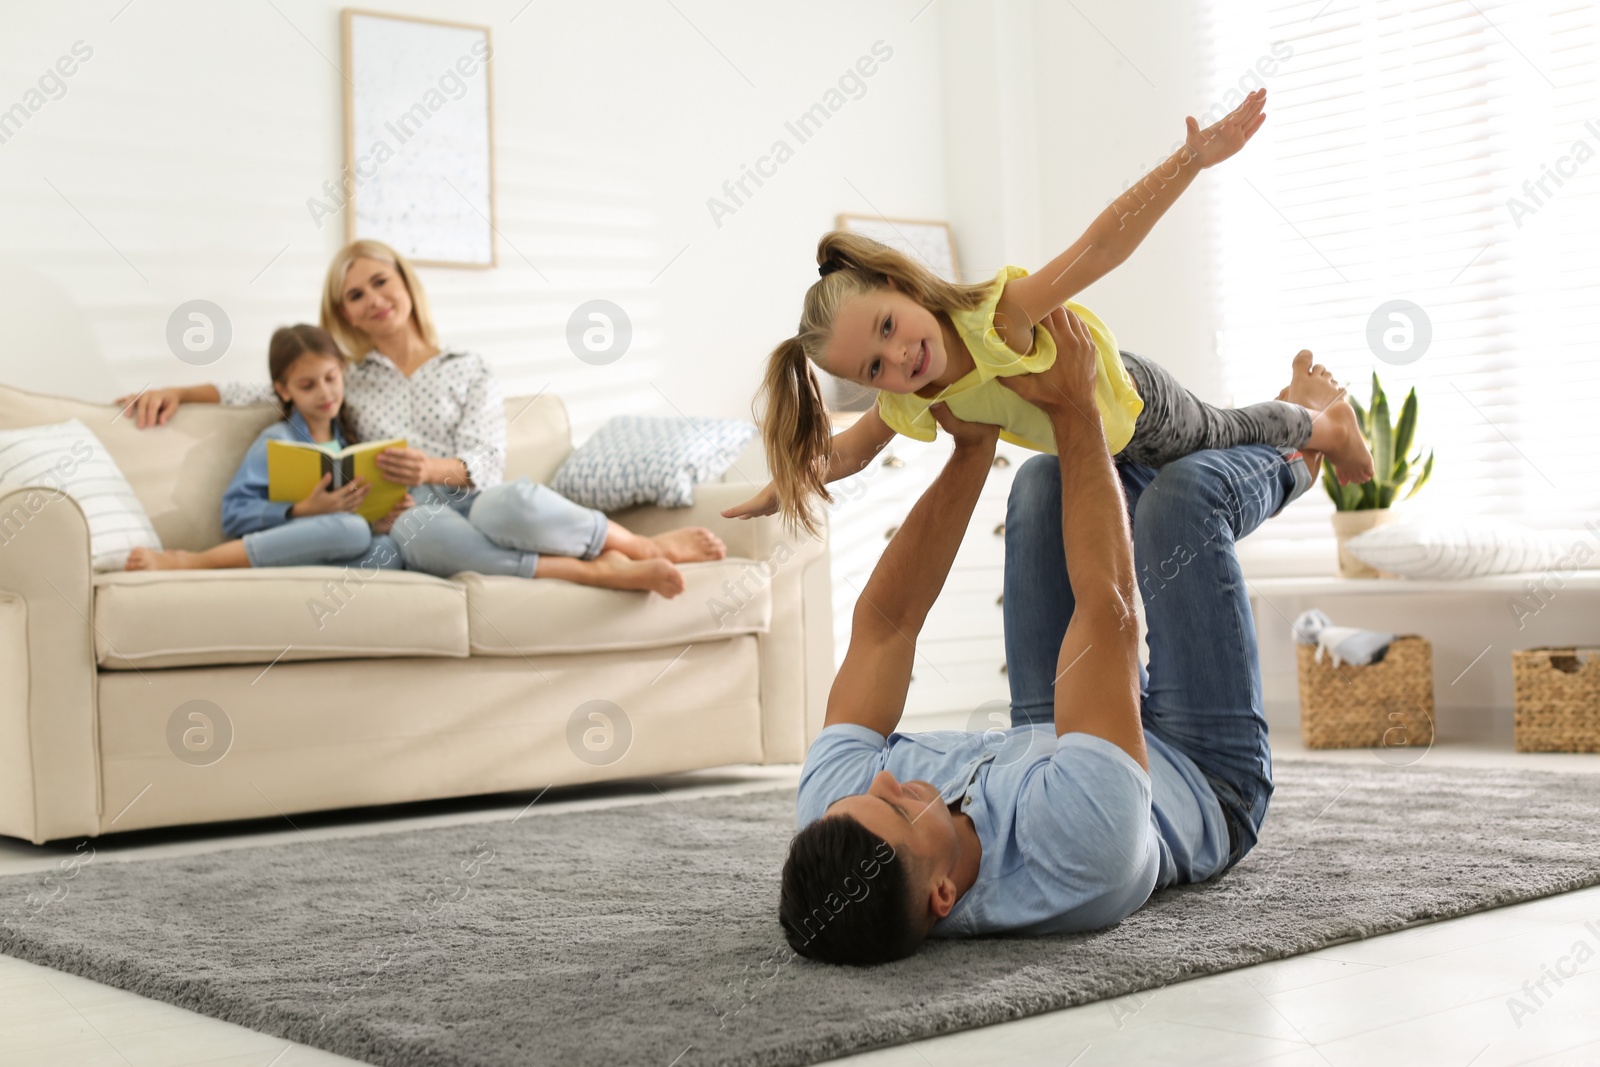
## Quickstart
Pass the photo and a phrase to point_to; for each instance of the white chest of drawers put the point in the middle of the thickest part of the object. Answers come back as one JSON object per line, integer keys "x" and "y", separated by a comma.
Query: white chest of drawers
{"x": 960, "y": 662}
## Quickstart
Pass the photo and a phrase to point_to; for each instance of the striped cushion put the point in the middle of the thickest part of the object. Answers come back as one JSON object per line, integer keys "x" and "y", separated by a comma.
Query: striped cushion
{"x": 67, "y": 456}
{"x": 1472, "y": 548}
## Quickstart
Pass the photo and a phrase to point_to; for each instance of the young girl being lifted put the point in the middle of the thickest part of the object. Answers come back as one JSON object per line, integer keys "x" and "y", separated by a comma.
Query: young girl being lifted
{"x": 878, "y": 318}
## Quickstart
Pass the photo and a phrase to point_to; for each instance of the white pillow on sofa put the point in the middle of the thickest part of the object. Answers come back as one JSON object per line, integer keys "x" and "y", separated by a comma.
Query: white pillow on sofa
{"x": 68, "y": 456}
{"x": 1470, "y": 548}
{"x": 648, "y": 459}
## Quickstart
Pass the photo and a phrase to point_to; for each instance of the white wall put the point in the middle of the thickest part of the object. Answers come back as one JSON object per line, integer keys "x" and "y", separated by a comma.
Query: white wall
{"x": 991, "y": 156}
{"x": 183, "y": 153}
{"x": 1052, "y": 111}
{"x": 1113, "y": 84}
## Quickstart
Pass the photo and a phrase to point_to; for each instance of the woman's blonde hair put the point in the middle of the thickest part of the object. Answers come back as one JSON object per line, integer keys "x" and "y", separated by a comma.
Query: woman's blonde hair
{"x": 355, "y": 343}
{"x": 794, "y": 422}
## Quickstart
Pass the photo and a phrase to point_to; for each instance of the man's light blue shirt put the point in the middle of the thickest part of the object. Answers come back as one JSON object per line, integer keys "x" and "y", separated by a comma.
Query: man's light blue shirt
{"x": 1075, "y": 834}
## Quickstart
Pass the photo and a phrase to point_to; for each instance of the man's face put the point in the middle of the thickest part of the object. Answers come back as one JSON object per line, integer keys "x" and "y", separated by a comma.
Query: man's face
{"x": 915, "y": 822}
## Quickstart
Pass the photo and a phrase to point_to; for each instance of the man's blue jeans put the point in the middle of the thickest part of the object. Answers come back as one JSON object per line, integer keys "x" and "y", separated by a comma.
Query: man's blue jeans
{"x": 1202, "y": 693}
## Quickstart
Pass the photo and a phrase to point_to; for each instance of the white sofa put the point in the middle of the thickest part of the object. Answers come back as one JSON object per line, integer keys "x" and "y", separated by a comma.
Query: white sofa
{"x": 413, "y": 688}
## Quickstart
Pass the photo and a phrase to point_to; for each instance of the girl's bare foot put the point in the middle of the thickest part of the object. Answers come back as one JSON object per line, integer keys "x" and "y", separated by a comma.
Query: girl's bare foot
{"x": 1313, "y": 459}
{"x": 617, "y": 571}
{"x": 690, "y": 544}
{"x": 1313, "y": 462}
{"x": 148, "y": 559}
{"x": 1334, "y": 432}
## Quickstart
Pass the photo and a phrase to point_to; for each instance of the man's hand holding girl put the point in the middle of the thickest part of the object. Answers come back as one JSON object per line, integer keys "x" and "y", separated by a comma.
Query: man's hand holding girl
{"x": 967, "y": 435}
{"x": 1068, "y": 383}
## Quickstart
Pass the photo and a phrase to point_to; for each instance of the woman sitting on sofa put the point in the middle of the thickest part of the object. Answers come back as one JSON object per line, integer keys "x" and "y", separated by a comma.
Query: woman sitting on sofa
{"x": 400, "y": 382}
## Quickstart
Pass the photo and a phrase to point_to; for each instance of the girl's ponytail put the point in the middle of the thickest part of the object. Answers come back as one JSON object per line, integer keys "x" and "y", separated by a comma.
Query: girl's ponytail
{"x": 797, "y": 435}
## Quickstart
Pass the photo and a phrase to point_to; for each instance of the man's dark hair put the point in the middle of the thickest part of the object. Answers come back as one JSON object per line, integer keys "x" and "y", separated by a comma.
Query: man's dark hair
{"x": 846, "y": 896}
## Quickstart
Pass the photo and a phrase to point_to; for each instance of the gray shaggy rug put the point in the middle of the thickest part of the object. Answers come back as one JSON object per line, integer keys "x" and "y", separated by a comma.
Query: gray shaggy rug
{"x": 647, "y": 934}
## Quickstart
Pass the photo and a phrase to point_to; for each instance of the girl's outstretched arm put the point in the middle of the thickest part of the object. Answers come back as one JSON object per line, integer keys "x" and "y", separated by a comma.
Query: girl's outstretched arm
{"x": 1120, "y": 228}
{"x": 853, "y": 448}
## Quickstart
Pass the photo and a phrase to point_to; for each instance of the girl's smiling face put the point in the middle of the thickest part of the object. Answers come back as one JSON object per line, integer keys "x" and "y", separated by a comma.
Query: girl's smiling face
{"x": 375, "y": 298}
{"x": 314, "y": 384}
{"x": 886, "y": 340}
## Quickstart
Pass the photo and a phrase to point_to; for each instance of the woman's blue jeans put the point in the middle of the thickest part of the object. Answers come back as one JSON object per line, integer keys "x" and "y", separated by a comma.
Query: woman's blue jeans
{"x": 500, "y": 530}
{"x": 1202, "y": 693}
{"x": 340, "y": 539}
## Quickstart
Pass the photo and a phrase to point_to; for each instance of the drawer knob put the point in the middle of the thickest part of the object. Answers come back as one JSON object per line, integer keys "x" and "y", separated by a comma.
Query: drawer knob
{"x": 1003, "y": 669}
{"x": 1000, "y": 531}
{"x": 893, "y": 461}
{"x": 1001, "y": 461}
{"x": 1000, "y": 601}
{"x": 888, "y": 535}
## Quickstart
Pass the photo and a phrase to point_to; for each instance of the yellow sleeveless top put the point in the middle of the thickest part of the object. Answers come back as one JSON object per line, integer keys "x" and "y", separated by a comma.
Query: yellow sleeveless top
{"x": 977, "y": 397}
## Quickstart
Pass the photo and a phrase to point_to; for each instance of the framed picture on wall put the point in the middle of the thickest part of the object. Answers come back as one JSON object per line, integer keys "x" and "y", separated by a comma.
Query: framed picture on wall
{"x": 418, "y": 137}
{"x": 930, "y": 243}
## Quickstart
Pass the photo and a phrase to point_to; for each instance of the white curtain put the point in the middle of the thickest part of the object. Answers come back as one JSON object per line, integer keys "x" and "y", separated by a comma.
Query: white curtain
{"x": 1441, "y": 153}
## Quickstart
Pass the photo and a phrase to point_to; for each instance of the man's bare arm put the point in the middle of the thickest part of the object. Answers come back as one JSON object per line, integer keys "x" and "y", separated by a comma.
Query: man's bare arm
{"x": 1097, "y": 672}
{"x": 870, "y": 689}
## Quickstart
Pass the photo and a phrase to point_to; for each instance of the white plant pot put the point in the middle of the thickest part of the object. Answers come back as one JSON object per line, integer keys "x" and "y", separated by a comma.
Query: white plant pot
{"x": 1347, "y": 524}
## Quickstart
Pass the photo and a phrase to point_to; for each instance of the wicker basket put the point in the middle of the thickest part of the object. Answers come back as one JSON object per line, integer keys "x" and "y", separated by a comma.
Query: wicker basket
{"x": 1381, "y": 705}
{"x": 1557, "y": 699}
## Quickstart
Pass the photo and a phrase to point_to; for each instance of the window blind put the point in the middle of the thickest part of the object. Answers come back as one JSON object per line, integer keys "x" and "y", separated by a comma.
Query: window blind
{"x": 1441, "y": 152}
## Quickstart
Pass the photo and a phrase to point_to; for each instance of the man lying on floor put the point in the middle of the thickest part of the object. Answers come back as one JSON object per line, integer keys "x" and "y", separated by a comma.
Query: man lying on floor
{"x": 1110, "y": 783}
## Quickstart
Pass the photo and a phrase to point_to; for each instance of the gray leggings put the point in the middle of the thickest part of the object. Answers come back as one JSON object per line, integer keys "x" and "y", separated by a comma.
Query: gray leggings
{"x": 1176, "y": 423}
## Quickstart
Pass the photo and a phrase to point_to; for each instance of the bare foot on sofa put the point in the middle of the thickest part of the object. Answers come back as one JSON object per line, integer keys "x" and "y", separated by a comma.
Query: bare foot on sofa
{"x": 688, "y": 544}
{"x": 613, "y": 570}
{"x": 647, "y": 575}
{"x": 147, "y": 559}
{"x": 691, "y": 544}
{"x": 1334, "y": 432}
{"x": 228, "y": 555}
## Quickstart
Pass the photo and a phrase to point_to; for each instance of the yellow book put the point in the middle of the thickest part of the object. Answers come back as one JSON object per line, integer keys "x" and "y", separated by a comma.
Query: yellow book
{"x": 295, "y": 467}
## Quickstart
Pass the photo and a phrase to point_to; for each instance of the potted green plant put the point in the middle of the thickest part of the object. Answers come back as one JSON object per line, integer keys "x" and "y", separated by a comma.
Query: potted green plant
{"x": 1365, "y": 505}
